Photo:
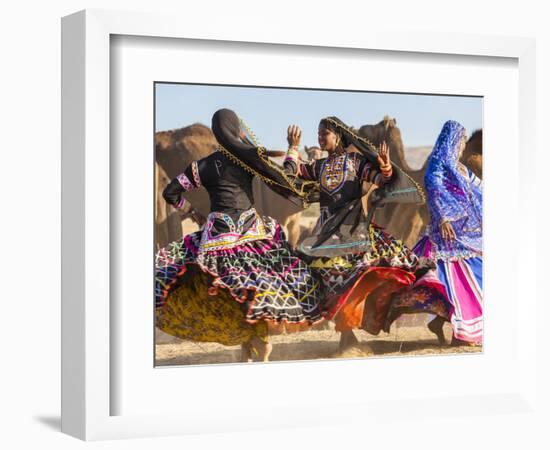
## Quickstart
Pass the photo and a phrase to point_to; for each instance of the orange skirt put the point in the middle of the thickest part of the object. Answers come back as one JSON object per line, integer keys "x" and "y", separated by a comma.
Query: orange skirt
{"x": 367, "y": 302}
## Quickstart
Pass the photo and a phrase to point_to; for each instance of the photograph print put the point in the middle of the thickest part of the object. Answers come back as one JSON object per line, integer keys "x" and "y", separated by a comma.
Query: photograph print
{"x": 307, "y": 224}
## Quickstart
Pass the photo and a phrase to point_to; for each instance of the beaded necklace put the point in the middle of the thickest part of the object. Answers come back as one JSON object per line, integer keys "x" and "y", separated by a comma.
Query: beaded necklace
{"x": 333, "y": 172}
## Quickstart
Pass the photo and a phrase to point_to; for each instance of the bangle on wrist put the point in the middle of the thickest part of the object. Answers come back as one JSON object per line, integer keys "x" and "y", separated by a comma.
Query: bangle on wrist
{"x": 293, "y": 151}
{"x": 181, "y": 203}
{"x": 292, "y": 155}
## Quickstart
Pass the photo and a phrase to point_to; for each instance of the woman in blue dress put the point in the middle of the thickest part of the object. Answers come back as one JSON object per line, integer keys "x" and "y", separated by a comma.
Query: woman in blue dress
{"x": 453, "y": 241}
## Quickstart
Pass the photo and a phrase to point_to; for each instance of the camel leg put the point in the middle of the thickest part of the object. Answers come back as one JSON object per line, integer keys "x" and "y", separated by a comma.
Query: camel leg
{"x": 292, "y": 226}
{"x": 436, "y": 327}
{"x": 347, "y": 339}
{"x": 263, "y": 349}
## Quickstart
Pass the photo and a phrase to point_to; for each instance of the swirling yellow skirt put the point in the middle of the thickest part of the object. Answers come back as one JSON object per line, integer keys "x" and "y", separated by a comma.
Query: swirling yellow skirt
{"x": 191, "y": 313}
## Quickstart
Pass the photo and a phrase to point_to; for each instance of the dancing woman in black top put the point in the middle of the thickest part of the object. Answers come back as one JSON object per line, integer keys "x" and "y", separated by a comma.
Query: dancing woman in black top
{"x": 221, "y": 283}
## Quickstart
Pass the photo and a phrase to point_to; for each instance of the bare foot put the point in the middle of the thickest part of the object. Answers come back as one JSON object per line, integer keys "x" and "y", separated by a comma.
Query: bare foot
{"x": 268, "y": 348}
{"x": 347, "y": 340}
{"x": 246, "y": 352}
{"x": 263, "y": 349}
{"x": 458, "y": 343}
{"x": 436, "y": 327}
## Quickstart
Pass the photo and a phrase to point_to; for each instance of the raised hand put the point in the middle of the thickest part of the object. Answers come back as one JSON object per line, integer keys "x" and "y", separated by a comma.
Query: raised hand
{"x": 293, "y": 135}
{"x": 384, "y": 155}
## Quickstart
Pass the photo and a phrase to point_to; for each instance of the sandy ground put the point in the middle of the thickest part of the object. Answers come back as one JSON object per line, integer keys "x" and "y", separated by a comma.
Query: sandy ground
{"x": 313, "y": 344}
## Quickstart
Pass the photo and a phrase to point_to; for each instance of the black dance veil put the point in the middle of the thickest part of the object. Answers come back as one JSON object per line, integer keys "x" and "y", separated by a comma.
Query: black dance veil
{"x": 238, "y": 144}
{"x": 401, "y": 188}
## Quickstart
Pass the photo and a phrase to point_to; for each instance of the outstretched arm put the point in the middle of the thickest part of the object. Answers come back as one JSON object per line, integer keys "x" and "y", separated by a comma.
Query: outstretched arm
{"x": 293, "y": 164}
{"x": 186, "y": 181}
{"x": 382, "y": 174}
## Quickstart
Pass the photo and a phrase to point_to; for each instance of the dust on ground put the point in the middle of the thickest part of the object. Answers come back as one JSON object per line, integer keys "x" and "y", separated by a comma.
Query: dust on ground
{"x": 314, "y": 344}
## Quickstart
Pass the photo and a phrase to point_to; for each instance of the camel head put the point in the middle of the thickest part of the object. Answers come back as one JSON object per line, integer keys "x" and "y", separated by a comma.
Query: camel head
{"x": 380, "y": 131}
{"x": 387, "y": 130}
{"x": 313, "y": 153}
{"x": 176, "y": 149}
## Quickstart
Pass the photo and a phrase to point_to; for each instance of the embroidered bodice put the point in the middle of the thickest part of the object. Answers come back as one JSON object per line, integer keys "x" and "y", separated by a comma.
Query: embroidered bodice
{"x": 340, "y": 178}
{"x": 233, "y": 219}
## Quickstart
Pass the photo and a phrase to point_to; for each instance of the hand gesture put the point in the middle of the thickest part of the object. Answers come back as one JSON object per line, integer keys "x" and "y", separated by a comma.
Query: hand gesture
{"x": 447, "y": 231}
{"x": 293, "y": 136}
{"x": 384, "y": 155}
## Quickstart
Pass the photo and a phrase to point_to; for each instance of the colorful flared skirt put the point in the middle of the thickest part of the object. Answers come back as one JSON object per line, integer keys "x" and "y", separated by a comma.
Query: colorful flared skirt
{"x": 190, "y": 312}
{"x": 426, "y": 295}
{"x": 462, "y": 282}
{"x": 263, "y": 276}
{"x": 360, "y": 286}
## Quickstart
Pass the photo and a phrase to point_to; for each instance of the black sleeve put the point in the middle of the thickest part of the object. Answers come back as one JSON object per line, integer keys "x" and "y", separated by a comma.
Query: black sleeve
{"x": 290, "y": 166}
{"x": 305, "y": 170}
{"x": 372, "y": 174}
{"x": 172, "y": 193}
{"x": 186, "y": 181}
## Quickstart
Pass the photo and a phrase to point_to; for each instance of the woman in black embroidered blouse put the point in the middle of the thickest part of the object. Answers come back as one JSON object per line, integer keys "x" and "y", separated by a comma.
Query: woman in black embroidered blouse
{"x": 240, "y": 257}
{"x": 340, "y": 176}
{"x": 360, "y": 264}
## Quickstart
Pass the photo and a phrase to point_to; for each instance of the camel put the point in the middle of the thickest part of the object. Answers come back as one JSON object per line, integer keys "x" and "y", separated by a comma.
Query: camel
{"x": 176, "y": 149}
{"x": 314, "y": 153}
{"x": 404, "y": 221}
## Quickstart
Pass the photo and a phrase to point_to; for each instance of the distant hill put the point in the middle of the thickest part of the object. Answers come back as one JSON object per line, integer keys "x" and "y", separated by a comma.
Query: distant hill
{"x": 416, "y": 156}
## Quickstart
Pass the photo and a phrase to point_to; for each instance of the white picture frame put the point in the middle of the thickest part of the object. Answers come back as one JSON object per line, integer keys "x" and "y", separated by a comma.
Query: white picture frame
{"x": 88, "y": 328}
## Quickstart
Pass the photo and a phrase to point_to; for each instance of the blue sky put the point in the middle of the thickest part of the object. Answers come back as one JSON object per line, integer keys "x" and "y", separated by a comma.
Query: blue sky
{"x": 269, "y": 111}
